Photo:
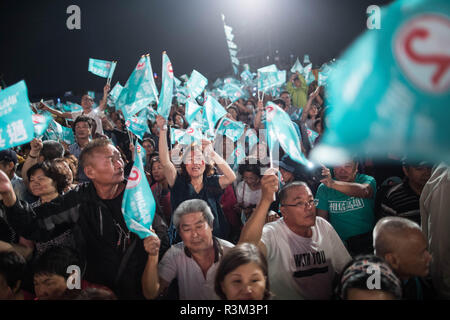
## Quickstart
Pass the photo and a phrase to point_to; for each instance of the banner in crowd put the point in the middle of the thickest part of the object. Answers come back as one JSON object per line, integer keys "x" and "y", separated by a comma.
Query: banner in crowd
{"x": 16, "y": 124}
{"x": 394, "y": 97}
{"x": 232, "y": 129}
{"x": 192, "y": 109}
{"x": 115, "y": 92}
{"x": 165, "y": 100}
{"x": 138, "y": 204}
{"x": 196, "y": 84}
{"x": 140, "y": 89}
{"x": 280, "y": 129}
{"x": 213, "y": 112}
{"x": 102, "y": 68}
{"x": 138, "y": 125}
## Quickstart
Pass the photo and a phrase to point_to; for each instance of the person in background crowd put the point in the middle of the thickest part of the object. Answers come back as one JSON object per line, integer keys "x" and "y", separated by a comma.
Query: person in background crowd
{"x": 248, "y": 191}
{"x": 347, "y": 201}
{"x": 297, "y": 88}
{"x": 243, "y": 274}
{"x": 12, "y": 273}
{"x": 401, "y": 243}
{"x": 8, "y": 164}
{"x": 354, "y": 279}
{"x": 402, "y": 200}
{"x": 194, "y": 261}
{"x": 82, "y": 130}
{"x": 434, "y": 209}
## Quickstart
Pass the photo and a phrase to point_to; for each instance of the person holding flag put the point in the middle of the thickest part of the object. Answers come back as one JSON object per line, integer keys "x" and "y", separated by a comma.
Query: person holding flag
{"x": 115, "y": 257}
{"x": 87, "y": 104}
{"x": 297, "y": 88}
{"x": 196, "y": 180}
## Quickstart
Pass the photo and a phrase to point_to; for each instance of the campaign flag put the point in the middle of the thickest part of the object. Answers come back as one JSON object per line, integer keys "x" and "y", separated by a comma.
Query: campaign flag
{"x": 100, "y": 68}
{"x": 233, "y": 53}
{"x": 306, "y": 59}
{"x": 235, "y": 60}
{"x": 297, "y": 67}
{"x": 251, "y": 138}
{"x": 212, "y": 112}
{"x": 67, "y": 135}
{"x": 270, "y": 68}
{"x": 231, "y": 44}
{"x": 16, "y": 124}
{"x": 232, "y": 129}
{"x": 72, "y": 107}
{"x": 40, "y": 122}
{"x": 235, "y": 69}
{"x": 54, "y": 131}
{"x": 139, "y": 91}
{"x": 312, "y": 136}
{"x": 138, "y": 204}
{"x": 233, "y": 91}
{"x": 115, "y": 92}
{"x": 176, "y": 135}
{"x": 237, "y": 156}
{"x": 192, "y": 109}
{"x": 166, "y": 95}
{"x": 280, "y": 128}
{"x": 196, "y": 84}
{"x": 111, "y": 71}
{"x": 138, "y": 126}
{"x": 269, "y": 80}
{"x": 394, "y": 96}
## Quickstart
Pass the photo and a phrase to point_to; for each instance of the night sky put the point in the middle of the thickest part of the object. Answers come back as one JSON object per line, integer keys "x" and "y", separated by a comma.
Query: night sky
{"x": 37, "y": 46}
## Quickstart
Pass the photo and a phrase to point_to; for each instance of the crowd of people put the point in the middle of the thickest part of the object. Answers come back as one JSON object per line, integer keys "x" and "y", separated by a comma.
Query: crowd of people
{"x": 361, "y": 230}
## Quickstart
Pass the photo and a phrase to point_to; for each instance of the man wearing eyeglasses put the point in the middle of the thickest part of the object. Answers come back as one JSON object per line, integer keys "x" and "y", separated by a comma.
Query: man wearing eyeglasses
{"x": 303, "y": 251}
{"x": 347, "y": 201}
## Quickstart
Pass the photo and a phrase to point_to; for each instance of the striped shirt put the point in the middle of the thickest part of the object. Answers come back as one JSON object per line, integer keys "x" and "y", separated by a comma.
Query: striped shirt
{"x": 401, "y": 201}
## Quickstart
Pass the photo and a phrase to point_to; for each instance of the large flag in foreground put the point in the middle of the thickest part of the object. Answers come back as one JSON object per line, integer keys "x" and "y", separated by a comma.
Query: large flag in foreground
{"x": 16, "y": 124}
{"x": 280, "y": 128}
{"x": 394, "y": 96}
{"x": 138, "y": 204}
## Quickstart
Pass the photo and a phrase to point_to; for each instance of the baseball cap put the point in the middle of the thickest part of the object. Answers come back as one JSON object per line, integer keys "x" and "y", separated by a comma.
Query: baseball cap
{"x": 8, "y": 155}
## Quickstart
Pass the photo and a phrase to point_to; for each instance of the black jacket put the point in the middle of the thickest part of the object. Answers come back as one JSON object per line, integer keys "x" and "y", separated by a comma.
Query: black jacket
{"x": 96, "y": 225}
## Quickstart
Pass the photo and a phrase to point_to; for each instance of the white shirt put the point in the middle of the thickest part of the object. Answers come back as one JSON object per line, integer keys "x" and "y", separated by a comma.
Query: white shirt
{"x": 192, "y": 284}
{"x": 247, "y": 196}
{"x": 303, "y": 268}
{"x": 94, "y": 115}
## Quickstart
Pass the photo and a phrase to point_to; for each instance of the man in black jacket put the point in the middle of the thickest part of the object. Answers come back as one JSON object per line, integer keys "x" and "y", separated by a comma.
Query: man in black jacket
{"x": 114, "y": 256}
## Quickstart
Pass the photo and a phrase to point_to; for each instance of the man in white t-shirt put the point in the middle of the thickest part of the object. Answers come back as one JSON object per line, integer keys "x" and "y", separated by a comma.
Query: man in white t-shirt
{"x": 193, "y": 261}
{"x": 303, "y": 251}
{"x": 86, "y": 103}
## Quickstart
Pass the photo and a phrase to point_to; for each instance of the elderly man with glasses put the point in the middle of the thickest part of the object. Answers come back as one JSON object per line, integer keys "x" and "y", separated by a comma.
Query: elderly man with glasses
{"x": 303, "y": 251}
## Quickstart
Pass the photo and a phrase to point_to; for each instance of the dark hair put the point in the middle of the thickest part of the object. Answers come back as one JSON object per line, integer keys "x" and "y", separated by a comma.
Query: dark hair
{"x": 55, "y": 260}
{"x": 249, "y": 166}
{"x": 65, "y": 171}
{"x": 208, "y": 167}
{"x": 283, "y": 192}
{"x": 280, "y": 101}
{"x": 91, "y": 147}
{"x": 12, "y": 267}
{"x": 283, "y": 92}
{"x": 151, "y": 141}
{"x": 52, "y": 149}
{"x": 355, "y": 275}
{"x": 82, "y": 119}
{"x": 52, "y": 171}
{"x": 150, "y": 166}
{"x": 237, "y": 256}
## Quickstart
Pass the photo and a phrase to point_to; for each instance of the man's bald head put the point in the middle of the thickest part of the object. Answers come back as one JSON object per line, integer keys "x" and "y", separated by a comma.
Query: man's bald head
{"x": 389, "y": 232}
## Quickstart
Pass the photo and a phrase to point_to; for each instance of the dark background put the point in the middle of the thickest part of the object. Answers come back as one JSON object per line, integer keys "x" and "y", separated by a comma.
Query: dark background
{"x": 37, "y": 46}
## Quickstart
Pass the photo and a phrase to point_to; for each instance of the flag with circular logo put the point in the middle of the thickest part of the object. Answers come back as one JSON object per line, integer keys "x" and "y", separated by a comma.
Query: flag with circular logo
{"x": 166, "y": 95}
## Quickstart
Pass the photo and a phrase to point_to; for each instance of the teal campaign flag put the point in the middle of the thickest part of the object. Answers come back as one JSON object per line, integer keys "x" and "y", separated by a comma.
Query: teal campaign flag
{"x": 111, "y": 71}
{"x": 140, "y": 89}
{"x": 177, "y": 82}
{"x": 306, "y": 59}
{"x": 213, "y": 112}
{"x": 196, "y": 84}
{"x": 312, "y": 136}
{"x": 280, "y": 129}
{"x": 176, "y": 135}
{"x": 232, "y": 129}
{"x": 297, "y": 67}
{"x": 269, "y": 80}
{"x": 251, "y": 138}
{"x": 233, "y": 91}
{"x": 165, "y": 98}
{"x": 237, "y": 156}
{"x": 138, "y": 204}
{"x": 394, "y": 96}
{"x": 16, "y": 124}
{"x": 270, "y": 68}
{"x": 40, "y": 122}
{"x": 192, "y": 109}
{"x": 186, "y": 137}
{"x": 115, "y": 92}
{"x": 138, "y": 126}
{"x": 54, "y": 131}
{"x": 100, "y": 68}
{"x": 67, "y": 135}
{"x": 72, "y": 107}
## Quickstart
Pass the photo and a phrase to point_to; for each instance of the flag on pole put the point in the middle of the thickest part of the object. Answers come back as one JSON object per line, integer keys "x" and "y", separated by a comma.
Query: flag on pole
{"x": 40, "y": 122}
{"x": 165, "y": 100}
{"x": 212, "y": 113}
{"x": 101, "y": 68}
{"x": 297, "y": 67}
{"x": 196, "y": 84}
{"x": 232, "y": 129}
{"x": 138, "y": 204}
{"x": 138, "y": 125}
{"x": 115, "y": 92}
{"x": 139, "y": 91}
{"x": 233, "y": 92}
{"x": 394, "y": 97}
{"x": 16, "y": 124}
{"x": 279, "y": 128}
{"x": 192, "y": 109}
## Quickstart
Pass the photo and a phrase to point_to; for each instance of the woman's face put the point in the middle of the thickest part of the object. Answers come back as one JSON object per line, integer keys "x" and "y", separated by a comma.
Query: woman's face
{"x": 251, "y": 179}
{"x": 157, "y": 171}
{"x": 118, "y": 124}
{"x": 40, "y": 184}
{"x": 148, "y": 147}
{"x": 246, "y": 282}
{"x": 313, "y": 112}
{"x": 195, "y": 164}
